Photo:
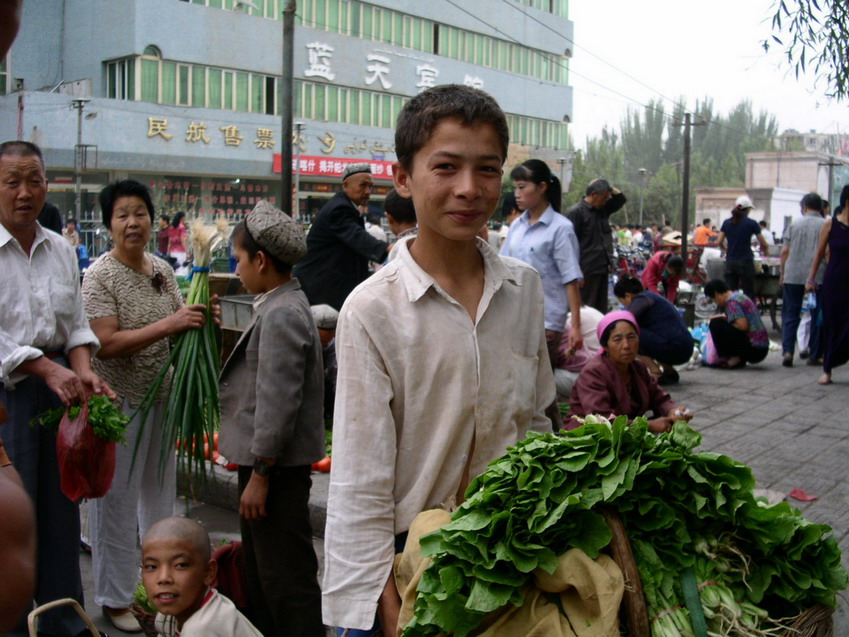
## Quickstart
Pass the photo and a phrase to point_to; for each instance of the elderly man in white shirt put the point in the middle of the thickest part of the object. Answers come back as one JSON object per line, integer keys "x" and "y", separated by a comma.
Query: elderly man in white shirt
{"x": 43, "y": 332}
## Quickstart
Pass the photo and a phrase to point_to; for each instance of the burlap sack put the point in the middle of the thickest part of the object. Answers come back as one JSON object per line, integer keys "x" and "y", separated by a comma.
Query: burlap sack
{"x": 590, "y": 592}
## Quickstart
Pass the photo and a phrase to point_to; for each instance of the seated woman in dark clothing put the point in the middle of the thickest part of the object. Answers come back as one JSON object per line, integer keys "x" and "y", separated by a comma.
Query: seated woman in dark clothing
{"x": 664, "y": 338}
{"x": 739, "y": 334}
{"x": 615, "y": 382}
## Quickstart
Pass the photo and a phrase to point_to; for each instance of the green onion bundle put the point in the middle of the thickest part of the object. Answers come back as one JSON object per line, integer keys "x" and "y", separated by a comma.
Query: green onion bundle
{"x": 192, "y": 412}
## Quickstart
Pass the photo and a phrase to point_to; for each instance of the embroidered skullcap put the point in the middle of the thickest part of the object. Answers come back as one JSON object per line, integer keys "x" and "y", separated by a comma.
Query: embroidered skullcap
{"x": 277, "y": 232}
{"x": 355, "y": 169}
{"x": 325, "y": 316}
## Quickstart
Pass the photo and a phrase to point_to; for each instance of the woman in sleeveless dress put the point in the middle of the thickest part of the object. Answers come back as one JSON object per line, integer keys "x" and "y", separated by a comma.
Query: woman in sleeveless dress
{"x": 834, "y": 294}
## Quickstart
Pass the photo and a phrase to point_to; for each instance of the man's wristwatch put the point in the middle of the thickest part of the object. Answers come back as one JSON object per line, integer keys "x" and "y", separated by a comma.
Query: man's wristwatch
{"x": 262, "y": 468}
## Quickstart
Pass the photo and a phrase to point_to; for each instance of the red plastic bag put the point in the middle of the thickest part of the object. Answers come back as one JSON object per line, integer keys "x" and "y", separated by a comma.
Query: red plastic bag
{"x": 86, "y": 462}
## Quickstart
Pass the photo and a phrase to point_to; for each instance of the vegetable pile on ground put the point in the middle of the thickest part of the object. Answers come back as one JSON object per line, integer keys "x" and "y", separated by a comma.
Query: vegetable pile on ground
{"x": 756, "y": 565}
{"x": 192, "y": 413}
{"x": 107, "y": 421}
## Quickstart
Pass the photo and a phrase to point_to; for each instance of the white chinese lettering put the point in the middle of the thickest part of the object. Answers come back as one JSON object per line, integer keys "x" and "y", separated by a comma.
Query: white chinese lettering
{"x": 473, "y": 81}
{"x": 378, "y": 68}
{"x": 319, "y": 57}
{"x": 427, "y": 76}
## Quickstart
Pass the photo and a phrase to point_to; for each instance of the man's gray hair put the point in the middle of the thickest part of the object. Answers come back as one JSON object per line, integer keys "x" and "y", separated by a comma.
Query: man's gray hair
{"x": 599, "y": 187}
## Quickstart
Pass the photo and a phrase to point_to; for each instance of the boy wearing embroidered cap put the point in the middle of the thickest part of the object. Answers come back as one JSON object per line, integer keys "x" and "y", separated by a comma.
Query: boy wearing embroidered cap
{"x": 272, "y": 392}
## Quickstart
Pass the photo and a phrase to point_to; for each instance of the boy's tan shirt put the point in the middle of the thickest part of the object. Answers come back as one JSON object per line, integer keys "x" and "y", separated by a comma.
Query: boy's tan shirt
{"x": 417, "y": 383}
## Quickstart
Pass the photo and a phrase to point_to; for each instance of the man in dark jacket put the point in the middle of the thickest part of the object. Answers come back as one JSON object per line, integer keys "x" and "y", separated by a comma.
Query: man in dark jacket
{"x": 590, "y": 219}
{"x": 338, "y": 246}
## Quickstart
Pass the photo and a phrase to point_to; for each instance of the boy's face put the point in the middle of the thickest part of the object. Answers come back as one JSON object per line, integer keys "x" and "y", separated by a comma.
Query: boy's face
{"x": 176, "y": 576}
{"x": 247, "y": 269}
{"x": 454, "y": 180}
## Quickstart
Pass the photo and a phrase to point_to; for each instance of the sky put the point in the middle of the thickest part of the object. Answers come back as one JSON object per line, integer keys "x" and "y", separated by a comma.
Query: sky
{"x": 690, "y": 49}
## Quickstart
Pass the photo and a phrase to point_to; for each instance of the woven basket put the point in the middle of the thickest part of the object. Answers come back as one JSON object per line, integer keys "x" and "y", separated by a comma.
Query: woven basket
{"x": 145, "y": 619}
{"x": 815, "y": 622}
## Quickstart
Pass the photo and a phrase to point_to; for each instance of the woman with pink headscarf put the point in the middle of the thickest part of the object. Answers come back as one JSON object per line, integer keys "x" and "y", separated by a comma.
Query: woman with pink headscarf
{"x": 615, "y": 382}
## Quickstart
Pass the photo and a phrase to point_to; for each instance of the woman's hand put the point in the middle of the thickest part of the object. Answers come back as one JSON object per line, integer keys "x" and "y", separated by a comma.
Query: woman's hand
{"x": 661, "y": 425}
{"x": 681, "y": 413}
{"x": 576, "y": 339}
{"x": 186, "y": 318}
{"x": 215, "y": 308}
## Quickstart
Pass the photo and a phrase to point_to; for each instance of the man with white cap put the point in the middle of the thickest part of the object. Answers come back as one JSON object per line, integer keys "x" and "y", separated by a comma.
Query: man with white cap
{"x": 739, "y": 260}
{"x": 338, "y": 246}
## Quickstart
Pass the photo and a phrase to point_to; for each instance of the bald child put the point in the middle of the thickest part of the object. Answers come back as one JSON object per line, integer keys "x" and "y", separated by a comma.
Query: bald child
{"x": 178, "y": 572}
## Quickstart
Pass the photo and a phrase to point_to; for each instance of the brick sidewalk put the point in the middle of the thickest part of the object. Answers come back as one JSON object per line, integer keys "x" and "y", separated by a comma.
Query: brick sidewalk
{"x": 779, "y": 421}
{"x": 791, "y": 431}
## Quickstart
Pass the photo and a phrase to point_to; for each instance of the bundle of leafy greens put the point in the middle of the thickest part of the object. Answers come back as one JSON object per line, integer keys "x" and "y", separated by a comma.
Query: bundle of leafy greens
{"x": 756, "y": 565}
{"x": 107, "y": 421}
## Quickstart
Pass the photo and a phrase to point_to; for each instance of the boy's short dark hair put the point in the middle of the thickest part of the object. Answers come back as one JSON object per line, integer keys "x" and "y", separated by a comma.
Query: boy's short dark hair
{"x": 401, "y": 208}
{"x": 705, "y": 221}
{"x": 421, "y": 115}
{"x": 125, "y": 188}
{"x": 242, "y": 238}
{"x": 714, "y": 287}
{"x": 675, "y": 262}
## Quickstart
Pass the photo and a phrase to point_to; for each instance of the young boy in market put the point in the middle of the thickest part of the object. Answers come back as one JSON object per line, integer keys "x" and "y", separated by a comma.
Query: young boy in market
{"x": 272, "y": 393}
{"x": 425, "y": 349}
{"x": 178, "y": 571}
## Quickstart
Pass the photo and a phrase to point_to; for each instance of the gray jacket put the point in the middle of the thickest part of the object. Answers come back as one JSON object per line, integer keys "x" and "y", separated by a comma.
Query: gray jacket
{"x": 272, "y": 385}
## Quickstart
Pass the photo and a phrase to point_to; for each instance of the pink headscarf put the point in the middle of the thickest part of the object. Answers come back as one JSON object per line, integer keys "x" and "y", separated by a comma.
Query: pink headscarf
{"x": 618, "y": 315}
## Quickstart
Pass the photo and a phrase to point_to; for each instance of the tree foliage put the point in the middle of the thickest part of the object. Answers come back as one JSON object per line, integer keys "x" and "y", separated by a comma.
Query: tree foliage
{"x": 654, "y": 141}
{"x": 815, "y": 35}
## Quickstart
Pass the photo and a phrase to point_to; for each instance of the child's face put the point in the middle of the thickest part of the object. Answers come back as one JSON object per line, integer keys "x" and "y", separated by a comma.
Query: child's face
{"x": 247, "y": 269}
{"x": 175, "y": 576}
{"x": 455, "y": 180}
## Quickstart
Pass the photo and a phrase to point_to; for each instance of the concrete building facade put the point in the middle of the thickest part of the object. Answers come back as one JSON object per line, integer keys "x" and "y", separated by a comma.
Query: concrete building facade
{"x": 184, "y": 96}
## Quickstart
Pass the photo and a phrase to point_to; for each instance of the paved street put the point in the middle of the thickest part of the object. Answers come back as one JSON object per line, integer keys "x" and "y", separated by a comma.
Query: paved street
{"x": 791, "y": 431}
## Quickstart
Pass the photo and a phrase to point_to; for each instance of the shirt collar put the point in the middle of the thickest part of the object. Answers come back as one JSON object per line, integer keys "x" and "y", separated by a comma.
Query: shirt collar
{"x": 260, "y": 299}
{"x": 40, "y": 237}
{"x": 546, "y": 218}
{"x": 416, "y": 281}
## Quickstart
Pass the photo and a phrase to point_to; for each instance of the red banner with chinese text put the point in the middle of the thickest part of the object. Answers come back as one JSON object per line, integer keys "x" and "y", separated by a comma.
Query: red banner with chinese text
{"x": 331, "y": 167}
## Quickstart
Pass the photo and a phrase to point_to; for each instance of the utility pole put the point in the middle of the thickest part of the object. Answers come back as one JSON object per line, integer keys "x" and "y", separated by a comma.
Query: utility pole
{"x": 685, "y": 184}
{"x": 78, "y": 104}
{"x": 685, "y": 204}
{"x": 287, "y": 86}
{"x": 643, "y": 172}
{"x": 296, "y": 209}
{"x": 831, "y": 164}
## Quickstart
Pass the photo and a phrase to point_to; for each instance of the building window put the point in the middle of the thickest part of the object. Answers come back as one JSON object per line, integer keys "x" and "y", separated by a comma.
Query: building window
{"x": 165, "y": 82}
{"x": 120, "y": 79}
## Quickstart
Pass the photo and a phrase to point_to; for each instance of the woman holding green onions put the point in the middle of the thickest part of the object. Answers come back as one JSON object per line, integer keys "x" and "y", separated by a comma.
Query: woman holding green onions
{"x": 134, "y": 306}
